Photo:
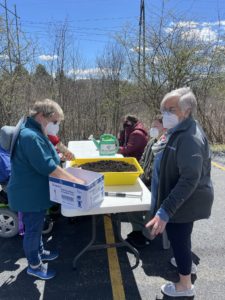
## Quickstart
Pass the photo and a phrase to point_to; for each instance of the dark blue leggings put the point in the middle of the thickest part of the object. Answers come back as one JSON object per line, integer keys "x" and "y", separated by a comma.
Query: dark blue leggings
{"x": 179, "y": 235}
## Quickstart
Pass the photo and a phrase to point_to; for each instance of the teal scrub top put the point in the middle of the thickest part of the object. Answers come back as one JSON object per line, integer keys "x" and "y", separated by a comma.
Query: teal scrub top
{"x": 34, "y": 158}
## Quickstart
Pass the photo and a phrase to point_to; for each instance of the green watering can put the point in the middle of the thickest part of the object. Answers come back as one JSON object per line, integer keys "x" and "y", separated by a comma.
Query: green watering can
{"x": 107, "y": 145}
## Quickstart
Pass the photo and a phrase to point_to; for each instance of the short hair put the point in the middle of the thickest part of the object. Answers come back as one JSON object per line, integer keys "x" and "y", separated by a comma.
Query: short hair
{"x": 132, "y": 118}
{"x": 47, "y": 107}
{"x": 186, "y": 98}
{"x": 158, "y": 118}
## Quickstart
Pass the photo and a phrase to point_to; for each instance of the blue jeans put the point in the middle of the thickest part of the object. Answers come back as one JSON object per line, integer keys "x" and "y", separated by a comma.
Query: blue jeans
{"x": 32, "y": 240}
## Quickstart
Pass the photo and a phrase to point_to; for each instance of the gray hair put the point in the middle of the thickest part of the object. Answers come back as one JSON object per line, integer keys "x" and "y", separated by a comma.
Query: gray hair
{"x": 47, "y": 107}
{"x": 186, "y": 98}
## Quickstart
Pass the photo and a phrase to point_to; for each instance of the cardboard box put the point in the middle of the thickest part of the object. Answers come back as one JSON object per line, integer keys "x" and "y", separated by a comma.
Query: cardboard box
{"x": 78, "y": 196}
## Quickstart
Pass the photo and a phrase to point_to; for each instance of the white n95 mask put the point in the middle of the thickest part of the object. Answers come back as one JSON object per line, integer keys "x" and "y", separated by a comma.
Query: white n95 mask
{"x": 169, "y": 120}
{"x": 52, "y": 129}
{"x": 154, "y": 132}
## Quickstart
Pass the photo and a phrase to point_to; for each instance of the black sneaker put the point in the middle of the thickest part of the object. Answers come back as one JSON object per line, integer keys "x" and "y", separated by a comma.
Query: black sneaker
{"x": 137, "y": 239}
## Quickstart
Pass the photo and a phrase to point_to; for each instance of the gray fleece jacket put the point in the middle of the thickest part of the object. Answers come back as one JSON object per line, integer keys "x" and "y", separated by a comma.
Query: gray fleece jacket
{"x": 185, "y": 187}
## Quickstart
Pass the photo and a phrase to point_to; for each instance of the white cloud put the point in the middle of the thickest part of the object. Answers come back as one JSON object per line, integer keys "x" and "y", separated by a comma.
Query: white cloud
{"x": 204, "y": 34}
{"x": 168, "y": 29}
{"x": 4, "y": 57}
{"x": 88, "y": 73}
{"x": 85, "y": 73}
{"x": 48, "y": 57}
{"x": 217, "y": 23}
{"x": 189, "y": 24}
{"x": 221, "y": 23}
{"x": 193, "y": 24}
{"x": 207, "y": 24}
{"x": 203, "y": 31}
{"x": 196, "y": 30}
{"x": 136, "y": 49}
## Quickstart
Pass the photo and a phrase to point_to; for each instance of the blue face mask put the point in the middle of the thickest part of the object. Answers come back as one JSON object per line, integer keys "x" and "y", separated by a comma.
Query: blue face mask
{"x": 169, "y": 120}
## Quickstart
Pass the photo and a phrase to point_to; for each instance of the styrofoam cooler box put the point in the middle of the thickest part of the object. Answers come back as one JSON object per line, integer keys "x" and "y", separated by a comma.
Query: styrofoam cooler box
{"x": 78, "y": 196}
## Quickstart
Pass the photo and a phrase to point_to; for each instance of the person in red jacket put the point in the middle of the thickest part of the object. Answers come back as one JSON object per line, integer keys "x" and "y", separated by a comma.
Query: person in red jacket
{"x": 133, "y": 138}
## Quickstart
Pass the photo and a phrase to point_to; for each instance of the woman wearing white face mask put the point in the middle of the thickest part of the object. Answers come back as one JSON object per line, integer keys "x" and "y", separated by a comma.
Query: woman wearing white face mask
{"x": 170, "y": 120}
{"x": 52, "y": 130}
{"x": 154, "y": 132}
{"x": 184, "y": 192}
{"x": 34, "y": 158}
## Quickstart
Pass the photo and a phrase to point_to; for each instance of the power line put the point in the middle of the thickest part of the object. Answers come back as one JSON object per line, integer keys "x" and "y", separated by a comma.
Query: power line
{"x": 73, "y": 28}
{"x": 80, "y": 20}
{"x": 8, "y": 10}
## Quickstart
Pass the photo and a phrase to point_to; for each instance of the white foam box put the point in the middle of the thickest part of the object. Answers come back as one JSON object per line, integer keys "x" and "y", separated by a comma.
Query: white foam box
{"x": 78, "y": 196}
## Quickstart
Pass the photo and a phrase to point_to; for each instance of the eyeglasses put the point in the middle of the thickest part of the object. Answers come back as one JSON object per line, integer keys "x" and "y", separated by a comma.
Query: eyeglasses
{"x": 169, "y": 109}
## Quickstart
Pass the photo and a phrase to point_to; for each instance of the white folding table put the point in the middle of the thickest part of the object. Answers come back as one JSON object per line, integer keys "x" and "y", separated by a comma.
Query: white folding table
{"x": 138, "y": 198}
{"x": 86, "y": 149}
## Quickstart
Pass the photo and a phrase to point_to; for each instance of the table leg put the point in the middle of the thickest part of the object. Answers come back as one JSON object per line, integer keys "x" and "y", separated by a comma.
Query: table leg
{"x": 93, "y": 220}
{"x": 124, "y": 242}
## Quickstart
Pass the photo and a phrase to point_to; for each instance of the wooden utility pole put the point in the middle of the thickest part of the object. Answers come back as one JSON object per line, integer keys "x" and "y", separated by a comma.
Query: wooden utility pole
{"x": 17, "y": 38}
{"x": 142, "y": 43}
{"x": 8, "y": 37}
{"x": 9, "y": 44}
{"x": 7, "y": 9}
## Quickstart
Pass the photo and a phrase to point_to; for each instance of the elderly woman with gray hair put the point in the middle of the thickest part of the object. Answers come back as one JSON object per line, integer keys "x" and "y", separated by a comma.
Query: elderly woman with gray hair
{"x": 33, "y": 159}
{"x": 181, "y": 185}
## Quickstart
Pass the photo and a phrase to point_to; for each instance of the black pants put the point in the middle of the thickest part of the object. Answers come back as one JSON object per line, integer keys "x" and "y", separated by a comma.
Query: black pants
{"x": 179, "y": 235}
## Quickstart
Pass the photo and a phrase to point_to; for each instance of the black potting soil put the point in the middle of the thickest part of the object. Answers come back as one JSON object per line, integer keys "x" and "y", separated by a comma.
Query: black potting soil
{"x": 109, "y": 166}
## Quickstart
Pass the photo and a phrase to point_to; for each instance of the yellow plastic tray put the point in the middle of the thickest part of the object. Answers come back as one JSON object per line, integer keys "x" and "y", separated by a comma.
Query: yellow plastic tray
{"x": 115, "y": 178}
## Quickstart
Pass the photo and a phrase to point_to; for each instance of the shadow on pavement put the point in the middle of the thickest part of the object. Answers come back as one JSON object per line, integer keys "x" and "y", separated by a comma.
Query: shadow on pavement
{"x": 156, "y": 263}
{"x": 14, "y": 280}
{"x": 91, "y": 279}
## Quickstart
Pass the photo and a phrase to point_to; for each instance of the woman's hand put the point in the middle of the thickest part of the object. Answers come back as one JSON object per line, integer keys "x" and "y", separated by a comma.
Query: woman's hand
{"x": 156, "y": 226}
{"x": 68, "y": 155}
{"x": 63, "y": 174}
{"x": 77, "y": 180}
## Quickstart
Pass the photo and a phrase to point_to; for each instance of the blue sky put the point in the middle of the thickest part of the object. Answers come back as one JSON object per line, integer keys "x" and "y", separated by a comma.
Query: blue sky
{"x": 93, "y": 22}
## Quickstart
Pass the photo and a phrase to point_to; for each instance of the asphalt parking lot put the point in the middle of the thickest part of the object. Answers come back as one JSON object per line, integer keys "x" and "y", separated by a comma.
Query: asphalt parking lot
{"x": 93, "y": 278}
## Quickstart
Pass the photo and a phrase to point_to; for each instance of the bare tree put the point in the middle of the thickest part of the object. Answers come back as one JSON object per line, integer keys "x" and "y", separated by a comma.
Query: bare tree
{"x": 111, "y": 65}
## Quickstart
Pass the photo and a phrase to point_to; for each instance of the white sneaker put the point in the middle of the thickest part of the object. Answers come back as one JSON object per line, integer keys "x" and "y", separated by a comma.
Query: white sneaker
{"x": 193, "y": 267}
{"x": 169, "y": 289}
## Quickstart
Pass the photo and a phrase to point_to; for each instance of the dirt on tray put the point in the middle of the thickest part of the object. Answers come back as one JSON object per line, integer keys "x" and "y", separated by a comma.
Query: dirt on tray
{"x": 109, "y": 166}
